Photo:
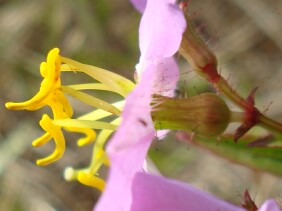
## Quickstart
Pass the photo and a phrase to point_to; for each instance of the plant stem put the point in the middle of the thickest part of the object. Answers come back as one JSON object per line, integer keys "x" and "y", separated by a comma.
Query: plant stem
{"x": 237, "y": 116}
{"x": 204, "y": 62}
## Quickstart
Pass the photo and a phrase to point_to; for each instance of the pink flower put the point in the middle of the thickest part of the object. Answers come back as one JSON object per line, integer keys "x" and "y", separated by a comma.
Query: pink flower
{"x": 269, "y": 205}
{"x": 158, "y": 193}
{"x": 128, "y": 186}
{"x": 140, "y": 5}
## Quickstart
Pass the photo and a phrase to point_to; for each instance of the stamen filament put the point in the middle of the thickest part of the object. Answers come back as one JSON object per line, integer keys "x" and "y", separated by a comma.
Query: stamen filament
{"x": 90, "y": 100}
{"x": 78, "y": 123}
{"x": 114, "y": 81}
{"x": 100, "y": 114}
{"x": 90, "y": 86}
{"x": 100, "y": 143}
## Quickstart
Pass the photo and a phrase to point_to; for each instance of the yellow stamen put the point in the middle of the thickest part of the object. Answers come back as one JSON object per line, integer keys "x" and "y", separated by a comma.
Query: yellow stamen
{"x": 84, "y": 177}
{"x": 42, "y": 140}
{"x": 52, "y": 131}
{"x": 90, "y": 135}
{"x": 112, "y": 80}
{"x": 51, "y": 81}
{"x": 100, "y": 114}
{"x": 90, "y": 100}
{"x": 84, "y": 124}
{"x": 91, "y": 180}
{"x": 90, "y": 86}
{"x": 99, "y": 157}
{"x": 98, "y": 150}
{"x": 52, "y": 94}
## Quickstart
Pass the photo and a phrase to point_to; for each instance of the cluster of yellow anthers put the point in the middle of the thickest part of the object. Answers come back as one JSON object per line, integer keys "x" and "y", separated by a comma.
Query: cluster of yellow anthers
{"x": 52, "y": 94}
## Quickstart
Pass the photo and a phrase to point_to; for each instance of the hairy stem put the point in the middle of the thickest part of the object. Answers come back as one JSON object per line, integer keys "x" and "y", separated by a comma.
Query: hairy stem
{"x": 204, "y": 62}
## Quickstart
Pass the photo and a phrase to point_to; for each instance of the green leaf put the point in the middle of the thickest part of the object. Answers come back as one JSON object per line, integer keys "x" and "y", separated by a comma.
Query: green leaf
{"x": 267, "y": 159}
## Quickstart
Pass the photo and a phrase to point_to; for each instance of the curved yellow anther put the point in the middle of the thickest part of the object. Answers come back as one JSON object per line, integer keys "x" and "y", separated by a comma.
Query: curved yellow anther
{"x": 60, "y": 105}
{"x": 42, "y": 140}
{"x": 91, "y": 180}
{"x": 90, "y": 135}
{"x": 55, "y": 132}
{"x": 50, "y": 71}
{"x": 52, "y": 94}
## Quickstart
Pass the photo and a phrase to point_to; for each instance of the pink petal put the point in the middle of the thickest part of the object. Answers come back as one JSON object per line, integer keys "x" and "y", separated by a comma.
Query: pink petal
{"x": 127, "y": 188}
{"x": 167, "y": 77}
{"x": 128, "y": 148}
{"x": 161, "y": 29}
{"x": 269, "y": 205}
{"x": 140, "y": 5}
{"x": 157, "y": 193}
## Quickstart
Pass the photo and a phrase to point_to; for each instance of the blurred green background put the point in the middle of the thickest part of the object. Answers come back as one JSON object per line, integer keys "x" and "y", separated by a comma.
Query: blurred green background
{"x": 245, "y": 35}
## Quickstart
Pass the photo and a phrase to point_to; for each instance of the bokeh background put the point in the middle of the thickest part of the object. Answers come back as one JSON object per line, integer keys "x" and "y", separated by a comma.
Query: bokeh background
{"x": 245, "y": 35}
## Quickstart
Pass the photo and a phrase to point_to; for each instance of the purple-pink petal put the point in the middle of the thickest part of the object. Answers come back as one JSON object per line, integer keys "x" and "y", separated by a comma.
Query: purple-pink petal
{"x": 167, "y": 75}
{"x": 140, "y": 5}
{"x": 269, "y": 205}
{"x": 157, "y": 193}
{"x": 128, "y": 148}
{"x": 128, "y": 188}
{"x": 161, "y": 29}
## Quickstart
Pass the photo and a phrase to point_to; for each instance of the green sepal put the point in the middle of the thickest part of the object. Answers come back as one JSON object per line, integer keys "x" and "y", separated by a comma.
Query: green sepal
{"x": 205, "y": 114}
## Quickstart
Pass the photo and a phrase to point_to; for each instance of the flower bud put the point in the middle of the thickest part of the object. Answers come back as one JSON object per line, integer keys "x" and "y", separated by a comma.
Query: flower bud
{"x": 197, "y": 53}
{"x": 206, "y": 114}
